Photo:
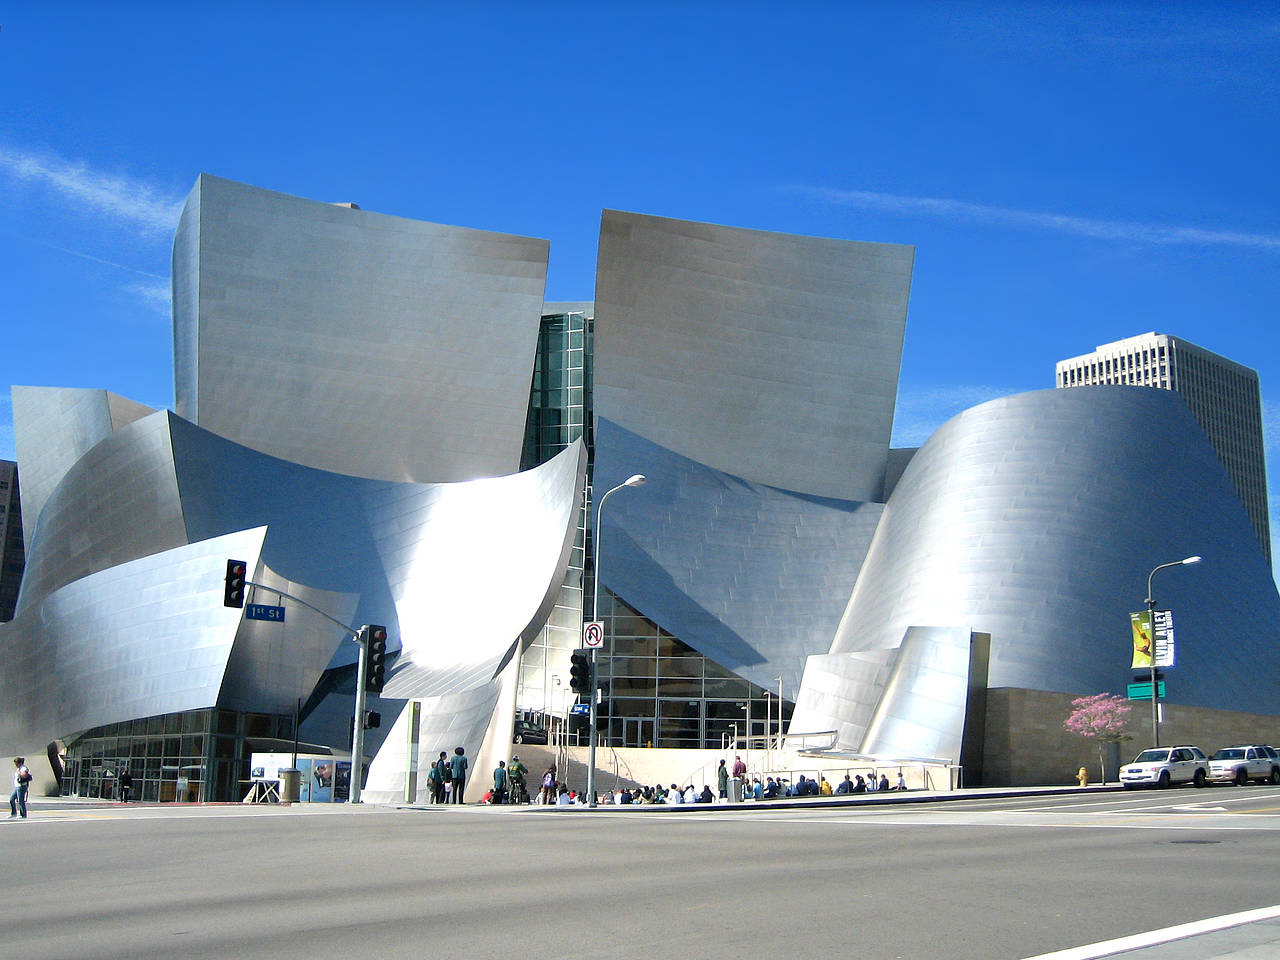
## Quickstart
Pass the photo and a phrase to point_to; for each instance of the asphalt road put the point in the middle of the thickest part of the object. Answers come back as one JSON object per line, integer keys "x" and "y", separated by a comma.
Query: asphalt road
{"x": 1001, "y": 879}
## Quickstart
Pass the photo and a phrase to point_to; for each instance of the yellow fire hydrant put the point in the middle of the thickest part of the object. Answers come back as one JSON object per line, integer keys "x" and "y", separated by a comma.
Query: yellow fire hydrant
{"x": 1083, "y": 776}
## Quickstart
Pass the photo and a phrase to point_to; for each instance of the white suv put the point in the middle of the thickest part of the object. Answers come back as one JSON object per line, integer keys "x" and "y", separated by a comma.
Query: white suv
{"x": 1239, "y": 765}
{"x": 1164, "y": 766}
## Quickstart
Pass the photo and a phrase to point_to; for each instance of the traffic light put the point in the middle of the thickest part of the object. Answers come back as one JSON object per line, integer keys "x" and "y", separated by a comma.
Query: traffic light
{"x": 372, "y": 719}
{"x": 375, "y": 652}
{"x": 233, "y": 588}
{"x": 580, "y": 672}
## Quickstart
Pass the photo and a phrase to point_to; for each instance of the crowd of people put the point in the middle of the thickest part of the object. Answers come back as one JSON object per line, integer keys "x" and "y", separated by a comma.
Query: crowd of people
{"x": 447, "y": 778}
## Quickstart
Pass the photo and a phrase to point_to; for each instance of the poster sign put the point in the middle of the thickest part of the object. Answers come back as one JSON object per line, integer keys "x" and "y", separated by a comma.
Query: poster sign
{"x": 1143, "y": 643}
{"x": 1152, "y": 641}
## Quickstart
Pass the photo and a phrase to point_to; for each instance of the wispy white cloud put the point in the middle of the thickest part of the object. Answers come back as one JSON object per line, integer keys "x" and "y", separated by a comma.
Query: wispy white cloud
{"x": 1115, "y": 230}
{"x": 156, "y": 295}
{"x": 120, "y": 197}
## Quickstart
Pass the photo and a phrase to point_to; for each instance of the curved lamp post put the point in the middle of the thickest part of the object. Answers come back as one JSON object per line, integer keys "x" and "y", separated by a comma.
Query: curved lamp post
{"x": 1151, "y": 615}
{"x": 635, "y": 480}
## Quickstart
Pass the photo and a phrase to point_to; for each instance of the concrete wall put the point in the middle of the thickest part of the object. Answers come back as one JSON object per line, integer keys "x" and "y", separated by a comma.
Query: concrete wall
{"x": 1027, "y": 746}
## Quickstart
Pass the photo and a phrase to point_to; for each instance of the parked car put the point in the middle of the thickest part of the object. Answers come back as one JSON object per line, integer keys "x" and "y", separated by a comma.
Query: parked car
{"x": 1241, "y": 764}
{"x": 1165, "y": 766}
{"x": 526, "y": 732}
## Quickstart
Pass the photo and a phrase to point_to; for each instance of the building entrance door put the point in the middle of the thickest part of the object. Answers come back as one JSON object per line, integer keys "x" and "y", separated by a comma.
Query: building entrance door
{"x": 637, "y": 732}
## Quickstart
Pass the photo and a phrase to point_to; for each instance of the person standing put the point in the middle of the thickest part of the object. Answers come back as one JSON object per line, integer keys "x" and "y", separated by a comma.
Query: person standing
{"x": 458, "y": 767}
{"x": 722, "y": 780}
{"x": 21, "y": 781}
{"x": 433, "y": 782}
{"x": 500, "y": 783}
{"x": 548, "y": 794}
{"x": 440, "y": 772}
{"x": 125, "y": 784}
{"x": 517, "y": 772}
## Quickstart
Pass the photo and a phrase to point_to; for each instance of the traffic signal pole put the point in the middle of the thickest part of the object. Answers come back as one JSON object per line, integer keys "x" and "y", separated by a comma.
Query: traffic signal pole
{"x": 234, "y": 596}
{"x": 357, "y": 734}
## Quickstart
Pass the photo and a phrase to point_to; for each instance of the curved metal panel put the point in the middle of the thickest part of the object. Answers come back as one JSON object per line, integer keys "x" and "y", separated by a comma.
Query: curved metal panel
{"x": 749, "y": 575}
{"x": 118, "y": 502}
{"x": 143, "y": 638}
{"x": 54, "y": 427}
{"x": 460, "y": 572}
{"x": 922, "y": 709}
{"x": 767, "y": 356}
{"x": 1037, "y": 519}
{"x": 352, "y": 341}
{"x": 474, "y": 568}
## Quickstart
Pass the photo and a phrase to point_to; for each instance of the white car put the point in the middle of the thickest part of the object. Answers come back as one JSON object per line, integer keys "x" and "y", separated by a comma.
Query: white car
{"x": 1165, "y": 766}
{"x": 1241, "y": 764}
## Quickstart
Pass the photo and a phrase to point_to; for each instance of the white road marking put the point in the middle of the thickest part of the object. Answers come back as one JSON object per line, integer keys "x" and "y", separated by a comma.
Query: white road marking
{"x": 1137, "y": 941}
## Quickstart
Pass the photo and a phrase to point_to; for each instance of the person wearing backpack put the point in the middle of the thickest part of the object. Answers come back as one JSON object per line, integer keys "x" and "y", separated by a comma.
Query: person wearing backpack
{"x": 21, "y": 781}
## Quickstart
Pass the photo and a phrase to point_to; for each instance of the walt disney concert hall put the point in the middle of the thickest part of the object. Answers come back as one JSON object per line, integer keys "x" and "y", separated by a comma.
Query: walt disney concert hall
{"x": 386, "y": 421}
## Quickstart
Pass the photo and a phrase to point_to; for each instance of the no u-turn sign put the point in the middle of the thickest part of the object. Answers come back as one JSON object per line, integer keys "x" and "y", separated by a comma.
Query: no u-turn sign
{"x": 593, "y": 634}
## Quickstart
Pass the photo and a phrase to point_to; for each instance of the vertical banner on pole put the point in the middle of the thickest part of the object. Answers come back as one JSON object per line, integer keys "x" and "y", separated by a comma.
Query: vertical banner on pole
{"x": 1143, "y": 639}
{"x": 1163, "y": 629}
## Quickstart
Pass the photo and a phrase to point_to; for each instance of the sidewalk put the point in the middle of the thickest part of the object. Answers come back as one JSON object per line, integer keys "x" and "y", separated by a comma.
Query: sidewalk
{"x": 884, "y": 798}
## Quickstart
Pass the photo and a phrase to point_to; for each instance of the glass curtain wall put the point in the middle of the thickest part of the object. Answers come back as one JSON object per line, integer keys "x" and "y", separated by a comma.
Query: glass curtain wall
{"x": 200, "y": 755}
{"x": 660, "y": 692}
{"x": 559, "y": 414}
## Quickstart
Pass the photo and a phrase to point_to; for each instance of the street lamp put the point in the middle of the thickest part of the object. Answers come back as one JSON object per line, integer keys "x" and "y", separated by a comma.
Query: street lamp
{"x": 635, "y": 480}
{"x": 1151, "y": 619}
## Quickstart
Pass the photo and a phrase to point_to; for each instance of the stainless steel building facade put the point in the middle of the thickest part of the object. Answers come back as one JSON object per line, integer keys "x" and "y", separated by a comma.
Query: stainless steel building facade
{"x": 354, "y": 394}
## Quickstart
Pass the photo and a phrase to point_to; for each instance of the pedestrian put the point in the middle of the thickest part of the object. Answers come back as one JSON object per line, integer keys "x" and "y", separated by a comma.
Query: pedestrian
{"x": 884, "y": 782}
{"x": 548, "y": 794}
{"x": 443, "y": 776}
{"x": 21, "y": 781}
{"x": 458, "y": 769}
{"x": 739, "y": 769}
{"x": 434, "y": 783}
{"x": 125, "y": 783}
{"x": 500, "y": 782}
{"x": 902, "y": 784}
{"x": 517, "y": 772}
{"x": 722, "y": 780}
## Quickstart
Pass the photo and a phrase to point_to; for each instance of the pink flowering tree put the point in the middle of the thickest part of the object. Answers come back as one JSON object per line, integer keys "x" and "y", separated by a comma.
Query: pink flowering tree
{"x": 1102, "y": 718}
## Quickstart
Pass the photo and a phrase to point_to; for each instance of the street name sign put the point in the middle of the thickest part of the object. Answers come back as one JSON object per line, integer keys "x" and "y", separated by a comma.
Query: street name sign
{"x": 263, "y": 611}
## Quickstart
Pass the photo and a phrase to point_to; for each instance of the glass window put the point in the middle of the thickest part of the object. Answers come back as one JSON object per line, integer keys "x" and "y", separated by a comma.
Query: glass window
{"x": 679, "y": 723}
{"x": 632, "y": 666}
{"x": 632, "y": 687}
{"x": 669, "y": 646}
{"x": 680, "y": 687}
{"x": 628, "y": 626}
{"x": 634, "y": 646}
{"x": 725, "y": 688}
{"x": 679, "y": 667}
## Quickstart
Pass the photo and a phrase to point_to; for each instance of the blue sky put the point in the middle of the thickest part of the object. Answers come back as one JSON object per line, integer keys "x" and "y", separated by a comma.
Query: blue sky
{"x": 1069, "y": 175}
